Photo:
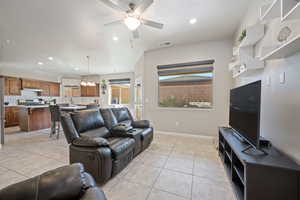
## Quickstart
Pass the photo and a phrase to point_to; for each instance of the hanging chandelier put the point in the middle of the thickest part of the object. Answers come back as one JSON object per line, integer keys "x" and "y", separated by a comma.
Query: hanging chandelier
{"x": 87, "y": 82}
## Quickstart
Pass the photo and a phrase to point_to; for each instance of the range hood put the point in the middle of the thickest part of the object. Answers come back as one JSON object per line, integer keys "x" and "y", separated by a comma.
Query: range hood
{"x": 33, "y": 89}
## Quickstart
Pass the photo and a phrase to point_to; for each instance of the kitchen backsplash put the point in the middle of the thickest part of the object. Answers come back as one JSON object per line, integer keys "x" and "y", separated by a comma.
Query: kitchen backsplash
{"x": 12, "y": 100}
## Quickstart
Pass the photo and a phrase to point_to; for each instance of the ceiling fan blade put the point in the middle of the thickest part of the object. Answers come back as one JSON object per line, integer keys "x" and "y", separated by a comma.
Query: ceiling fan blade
{"x": 114, "y": 6}
{"x": 152, "y": 23}
{"x": 136, "y": 34}
{"x": 118, "y": 22}
{"x": 142, "y": 7}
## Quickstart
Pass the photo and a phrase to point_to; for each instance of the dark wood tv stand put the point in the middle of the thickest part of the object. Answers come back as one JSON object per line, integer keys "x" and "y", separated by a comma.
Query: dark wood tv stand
{"x": 255, "y": 175}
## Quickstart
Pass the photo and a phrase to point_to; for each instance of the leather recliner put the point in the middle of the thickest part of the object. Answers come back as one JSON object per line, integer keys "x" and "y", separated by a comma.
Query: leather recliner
{"x": 65, "y": 183}
{"x": 97, "y": 141}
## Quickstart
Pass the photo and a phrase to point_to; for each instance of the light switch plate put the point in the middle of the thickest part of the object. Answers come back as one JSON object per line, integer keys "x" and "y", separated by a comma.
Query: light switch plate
{"x": 268, "y": 80}
{"x": 282, "y": 78}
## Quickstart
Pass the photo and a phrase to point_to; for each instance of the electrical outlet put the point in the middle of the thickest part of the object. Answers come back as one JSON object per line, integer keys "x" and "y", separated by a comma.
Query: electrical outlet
{"x": 282, "y": 78}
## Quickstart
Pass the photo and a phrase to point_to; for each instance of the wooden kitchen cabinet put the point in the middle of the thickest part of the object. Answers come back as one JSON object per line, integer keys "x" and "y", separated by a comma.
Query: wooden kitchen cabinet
{"x": 90, "y": 91}
{"x": 50, "y": 89}
{"x": 12, "y": 86}
{"x": 26, "y": 83}
{"x": 54, "y": 89}
{"x": 11, "y": 116}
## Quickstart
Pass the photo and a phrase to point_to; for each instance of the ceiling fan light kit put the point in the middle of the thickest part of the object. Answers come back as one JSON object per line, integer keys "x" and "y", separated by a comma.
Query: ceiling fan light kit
{"x": 132, "y": 23}
{"x": 133, "y": 19}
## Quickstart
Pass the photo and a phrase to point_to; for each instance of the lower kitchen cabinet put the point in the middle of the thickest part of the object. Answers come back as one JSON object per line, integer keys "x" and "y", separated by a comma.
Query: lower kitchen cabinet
{"x": 11, "y": 116}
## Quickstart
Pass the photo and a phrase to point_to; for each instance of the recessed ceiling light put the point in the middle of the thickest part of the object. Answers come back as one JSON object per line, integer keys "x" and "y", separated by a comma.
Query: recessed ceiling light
{"x": 40, "y": 63}
{"x": 50, "y": 58}
{"x": 76, "y": 68}
{"x": 193, "y": 21}
{"x": 115, "y": 38}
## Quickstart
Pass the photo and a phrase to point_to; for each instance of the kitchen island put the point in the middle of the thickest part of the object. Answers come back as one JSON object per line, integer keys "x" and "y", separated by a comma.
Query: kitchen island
{"x": 32, "y": 118}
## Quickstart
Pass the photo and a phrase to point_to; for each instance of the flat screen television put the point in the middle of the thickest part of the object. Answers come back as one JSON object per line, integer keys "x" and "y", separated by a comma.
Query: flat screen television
{"x": 245, "y": 112}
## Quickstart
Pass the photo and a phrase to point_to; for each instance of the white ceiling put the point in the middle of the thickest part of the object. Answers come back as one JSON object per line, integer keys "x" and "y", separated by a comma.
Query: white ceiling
{"x": 69, "y": 30}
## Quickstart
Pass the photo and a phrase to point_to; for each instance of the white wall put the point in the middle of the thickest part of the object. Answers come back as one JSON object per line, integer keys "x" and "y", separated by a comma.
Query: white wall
{"x": 192, "y": 121}
{"x": 280, "y": 102}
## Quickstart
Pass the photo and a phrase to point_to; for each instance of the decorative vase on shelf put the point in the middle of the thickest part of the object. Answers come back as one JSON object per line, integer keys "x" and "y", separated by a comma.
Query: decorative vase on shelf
{"x": 284, "y": 34}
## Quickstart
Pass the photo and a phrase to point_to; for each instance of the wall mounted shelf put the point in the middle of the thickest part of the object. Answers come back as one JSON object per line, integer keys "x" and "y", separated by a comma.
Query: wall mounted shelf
{"x": 245, "y": 60}
{"x": 290, "y": 10}
{"x": 288, "y": 49}
{"x": 253, "y": 35}
{"x": 270, "y": 11}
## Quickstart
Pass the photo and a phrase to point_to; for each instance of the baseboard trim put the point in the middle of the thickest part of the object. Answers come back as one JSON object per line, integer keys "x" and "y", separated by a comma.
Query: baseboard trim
{"x": 185, "y": 134}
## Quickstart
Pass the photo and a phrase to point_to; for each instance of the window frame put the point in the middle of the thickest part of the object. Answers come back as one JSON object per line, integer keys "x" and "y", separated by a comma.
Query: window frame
{"x": 210, "y": 108}
{"x": 110, "y": 93}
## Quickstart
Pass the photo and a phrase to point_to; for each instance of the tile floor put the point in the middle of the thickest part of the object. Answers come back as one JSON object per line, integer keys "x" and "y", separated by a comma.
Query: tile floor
{"x": 172, "y": 168}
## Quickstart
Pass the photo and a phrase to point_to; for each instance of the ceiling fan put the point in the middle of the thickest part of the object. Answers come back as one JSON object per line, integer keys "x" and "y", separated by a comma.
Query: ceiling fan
{"x": 133, "y": 18}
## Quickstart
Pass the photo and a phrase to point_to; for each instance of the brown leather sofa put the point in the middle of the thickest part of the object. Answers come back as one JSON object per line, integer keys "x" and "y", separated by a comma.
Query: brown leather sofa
{"x": 65, "y": 183}
{"x": 105, "y": 140}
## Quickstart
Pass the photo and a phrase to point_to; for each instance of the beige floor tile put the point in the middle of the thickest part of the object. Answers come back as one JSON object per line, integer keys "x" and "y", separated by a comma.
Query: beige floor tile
{"x": 143, "y": 174}
{"x": 9, "y": 178}
{"x": 159, "y": 148}
{"x": 110, "y": 184}
{"x": 209, "y": 169}
{"x": 181, "y": 164}
{"x": 154, "y": 159}
{"x": 128, "y": 191}
{"x": 210, "y": 190}
{"x": 162, "y": 195}
{"x": 175, "y": 182}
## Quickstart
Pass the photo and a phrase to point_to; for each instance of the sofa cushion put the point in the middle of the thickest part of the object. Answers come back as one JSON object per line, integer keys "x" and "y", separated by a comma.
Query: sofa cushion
{"x": 122, "y": 114}
{"x": 120, "y": 147}
{"x": 87, "y": 120}
{"x": 98, "y": 132}
{"x": 109, "y": 117}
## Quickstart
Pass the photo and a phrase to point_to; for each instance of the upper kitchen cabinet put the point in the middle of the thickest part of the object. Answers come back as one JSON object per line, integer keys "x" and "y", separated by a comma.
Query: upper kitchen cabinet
{"x": 12, "y": 86}
{"x": 90, "y": 91}
{"x": 26, "y": 83}
{"x": 54, "y": 89}
{"x": 50, "y": 89}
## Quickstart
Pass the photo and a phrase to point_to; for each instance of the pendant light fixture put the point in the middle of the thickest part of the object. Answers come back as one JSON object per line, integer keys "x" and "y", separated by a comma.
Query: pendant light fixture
{"x": 87, "y": 82}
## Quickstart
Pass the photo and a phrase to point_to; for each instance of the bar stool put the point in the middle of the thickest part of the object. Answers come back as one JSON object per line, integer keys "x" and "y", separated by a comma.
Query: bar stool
{"x": 55, "y": 120}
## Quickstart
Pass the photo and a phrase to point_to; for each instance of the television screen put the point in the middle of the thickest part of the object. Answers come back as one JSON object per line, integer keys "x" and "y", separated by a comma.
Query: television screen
{"x": 245, "y": 112}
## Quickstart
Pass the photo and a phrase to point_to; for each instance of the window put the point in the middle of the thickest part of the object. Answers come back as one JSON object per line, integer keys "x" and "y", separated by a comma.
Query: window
{"x": 120, "y": 91}
{"x": 186, "y": 85}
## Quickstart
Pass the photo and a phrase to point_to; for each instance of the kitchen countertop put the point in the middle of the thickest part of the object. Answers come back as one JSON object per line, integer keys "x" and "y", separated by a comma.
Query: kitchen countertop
{"x": 38, "y": 106}
{"x": 7, "y": 106}
{"x": 72, "y": 107}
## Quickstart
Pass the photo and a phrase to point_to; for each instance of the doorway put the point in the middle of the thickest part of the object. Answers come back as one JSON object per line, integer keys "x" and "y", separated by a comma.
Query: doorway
{"x": 138, "y": 96}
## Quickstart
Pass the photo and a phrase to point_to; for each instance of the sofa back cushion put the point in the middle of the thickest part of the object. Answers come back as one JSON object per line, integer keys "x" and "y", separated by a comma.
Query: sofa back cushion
{"x": 122, "y": 114}
{"x": 109, "y": 118}
{"x": 70, "y": 130}
{"x": 87, "y": 120}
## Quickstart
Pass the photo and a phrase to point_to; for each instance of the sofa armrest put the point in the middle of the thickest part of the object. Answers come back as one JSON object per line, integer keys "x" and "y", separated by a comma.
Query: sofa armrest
{"x": 61, "y": 183}
{"x": 90, "y": 142}
{"x": 121, "y": 131}
{"x": 141, "y": 124}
